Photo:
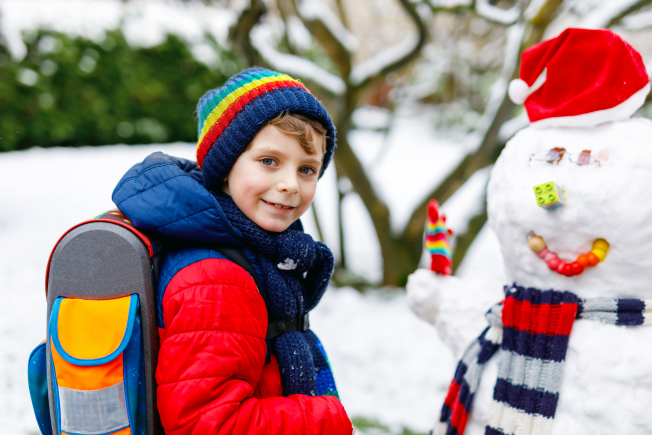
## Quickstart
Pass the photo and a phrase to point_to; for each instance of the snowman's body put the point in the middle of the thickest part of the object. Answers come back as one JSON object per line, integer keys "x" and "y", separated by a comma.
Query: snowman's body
{"x": 606, "y": 385}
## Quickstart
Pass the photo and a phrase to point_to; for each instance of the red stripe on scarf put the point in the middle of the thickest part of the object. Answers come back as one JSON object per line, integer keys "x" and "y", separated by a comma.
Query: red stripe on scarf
{"x": 228, "y": 115}
{"x": 451, "y": 397}
{"x": 549, "y": 319}
{"x": 459, "y": 417}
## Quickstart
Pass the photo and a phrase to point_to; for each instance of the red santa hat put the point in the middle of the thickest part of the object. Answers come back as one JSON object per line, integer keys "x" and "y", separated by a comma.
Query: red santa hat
{"x": 581, "y": 78}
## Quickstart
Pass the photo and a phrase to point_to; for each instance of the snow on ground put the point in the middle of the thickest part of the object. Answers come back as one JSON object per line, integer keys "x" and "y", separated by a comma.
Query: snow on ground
{"x": 390, "y": 366}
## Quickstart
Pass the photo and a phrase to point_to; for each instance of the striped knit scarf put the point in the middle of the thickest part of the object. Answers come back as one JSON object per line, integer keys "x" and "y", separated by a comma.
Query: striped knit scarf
{"x": 532, "y": 328}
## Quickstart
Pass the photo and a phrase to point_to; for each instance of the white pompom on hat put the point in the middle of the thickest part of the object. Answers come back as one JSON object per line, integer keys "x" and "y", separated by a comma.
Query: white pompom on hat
{"x": 581, "y": 78}
{"x": 518, "y": 91}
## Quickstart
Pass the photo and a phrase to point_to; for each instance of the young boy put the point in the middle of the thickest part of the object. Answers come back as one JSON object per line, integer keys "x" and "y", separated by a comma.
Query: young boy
{"x": 264, "y": 142}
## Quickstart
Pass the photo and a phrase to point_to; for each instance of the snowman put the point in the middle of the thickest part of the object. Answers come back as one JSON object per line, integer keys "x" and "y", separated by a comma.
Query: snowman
{"x": 563, "y": 347}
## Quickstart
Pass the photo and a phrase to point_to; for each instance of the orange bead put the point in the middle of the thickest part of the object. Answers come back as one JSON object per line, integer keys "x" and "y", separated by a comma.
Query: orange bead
{"x": 592, "y": 259}
{"x": 583, "y": 261}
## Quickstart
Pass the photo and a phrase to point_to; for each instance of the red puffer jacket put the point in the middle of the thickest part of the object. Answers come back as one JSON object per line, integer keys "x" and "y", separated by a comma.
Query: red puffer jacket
{"x": 211, "y": 375}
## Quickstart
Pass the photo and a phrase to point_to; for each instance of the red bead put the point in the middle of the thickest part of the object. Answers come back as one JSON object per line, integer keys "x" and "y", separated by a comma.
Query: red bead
{"x": 560, "y": 267}
{"x": 566, "y": 270}
{"x": 592, "y": 259}
{"x": 554, "y": 263}
{"x": 583, "y": 261}
{"x": 576, "y": 268}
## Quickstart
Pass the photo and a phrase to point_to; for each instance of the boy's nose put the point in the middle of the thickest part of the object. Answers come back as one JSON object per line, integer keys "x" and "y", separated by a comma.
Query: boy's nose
{"x": 288, "y": 182}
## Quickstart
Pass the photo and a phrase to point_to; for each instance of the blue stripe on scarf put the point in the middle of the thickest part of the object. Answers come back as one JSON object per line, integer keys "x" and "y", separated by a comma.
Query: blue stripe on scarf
{"x": 492, "y": 431}
{"x": 525, "y": 399}
{"x": 488, "y": 348}
{"x": 542, "y": 297}
{"x": 465, "y": 397}
{"x": 445, "y": 413}
{"x": 542, "y": 346}
{"x": 630, "y": 312}
{"x": 459, "y": 372}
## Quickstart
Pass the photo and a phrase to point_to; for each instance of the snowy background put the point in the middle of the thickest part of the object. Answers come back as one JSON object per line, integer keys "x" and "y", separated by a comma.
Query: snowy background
{"x": 390, "y": 366}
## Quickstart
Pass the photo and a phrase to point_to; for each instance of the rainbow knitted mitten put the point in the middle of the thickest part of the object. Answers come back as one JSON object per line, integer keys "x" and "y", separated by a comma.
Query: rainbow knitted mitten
{"x": 438, "y": 240}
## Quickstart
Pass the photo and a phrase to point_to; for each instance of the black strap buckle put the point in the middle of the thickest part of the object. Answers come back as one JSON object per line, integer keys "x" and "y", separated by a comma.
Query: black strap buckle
{"x": 304, "y": 323}
{"x": 280, "y": 327}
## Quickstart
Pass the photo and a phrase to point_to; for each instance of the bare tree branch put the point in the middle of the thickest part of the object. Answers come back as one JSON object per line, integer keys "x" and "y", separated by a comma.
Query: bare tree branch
{"x": 633, "y": 8}
{"x": 539, "y": 17}
{"x": 326, "y": 83}
{"x": 342, "y": 11}
{"x": 392, "y": 58}
{"x": 239, "y": 33}
{"x": 333, "y": 36}
{"x": 610, "y": 13}
{"x": 637, "y": 22}
{"x": 286, "y": 25}
{"x": 436, "y": 6}
{"x": 496, "y": 113}
{"x": 505, "y": 17}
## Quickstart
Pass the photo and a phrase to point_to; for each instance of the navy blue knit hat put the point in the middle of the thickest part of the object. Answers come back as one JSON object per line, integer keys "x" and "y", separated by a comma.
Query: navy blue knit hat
{"x": 230, "y": 117}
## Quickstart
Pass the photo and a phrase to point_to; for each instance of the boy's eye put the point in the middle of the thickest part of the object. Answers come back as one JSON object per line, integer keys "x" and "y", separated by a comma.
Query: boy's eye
{"x": 307, "y": 171}
{"x": 268, "y": 162}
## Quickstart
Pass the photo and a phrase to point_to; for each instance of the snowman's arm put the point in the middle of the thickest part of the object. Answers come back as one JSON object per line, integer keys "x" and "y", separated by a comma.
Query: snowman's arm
{"x": 455, "y": 306}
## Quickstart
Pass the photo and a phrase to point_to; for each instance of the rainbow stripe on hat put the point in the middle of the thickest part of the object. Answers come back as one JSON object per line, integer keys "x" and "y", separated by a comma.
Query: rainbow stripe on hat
{"x": 217, "y": 110}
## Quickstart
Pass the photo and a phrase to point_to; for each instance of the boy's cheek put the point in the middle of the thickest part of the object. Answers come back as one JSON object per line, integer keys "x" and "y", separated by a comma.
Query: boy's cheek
{"x": 308, "y": 195}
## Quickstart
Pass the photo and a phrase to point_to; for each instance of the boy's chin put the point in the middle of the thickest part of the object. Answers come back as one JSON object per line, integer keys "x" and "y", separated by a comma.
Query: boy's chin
{"x": 273, "y": 225}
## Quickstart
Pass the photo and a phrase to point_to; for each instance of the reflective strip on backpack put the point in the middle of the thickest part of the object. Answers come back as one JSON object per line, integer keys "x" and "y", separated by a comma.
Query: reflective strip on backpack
{"x": 93, "y": 412}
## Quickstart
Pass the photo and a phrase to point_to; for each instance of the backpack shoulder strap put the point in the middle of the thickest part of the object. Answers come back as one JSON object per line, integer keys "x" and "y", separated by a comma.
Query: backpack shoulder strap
{"x": 235, "y": 255}
{"x": 239, "y": 258}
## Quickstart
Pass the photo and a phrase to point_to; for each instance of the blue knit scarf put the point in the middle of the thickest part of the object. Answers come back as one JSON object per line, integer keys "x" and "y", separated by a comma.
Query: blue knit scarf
{"x": 296, "y": 271}
{"x": 532, "y": 328}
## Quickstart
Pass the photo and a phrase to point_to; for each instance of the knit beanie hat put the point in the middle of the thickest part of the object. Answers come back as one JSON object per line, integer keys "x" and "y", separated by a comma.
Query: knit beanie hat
{"x": 230, "y": 116}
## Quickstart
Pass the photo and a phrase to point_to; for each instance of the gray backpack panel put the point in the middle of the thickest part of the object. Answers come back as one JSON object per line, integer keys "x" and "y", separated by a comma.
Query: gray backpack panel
{"x": 101, "y": 260}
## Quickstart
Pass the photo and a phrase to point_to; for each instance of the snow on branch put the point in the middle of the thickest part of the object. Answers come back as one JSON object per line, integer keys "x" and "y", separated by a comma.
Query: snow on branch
{"x": 315, "y": 10}
{"x": 495, "y": 14}
{"x": 376, "y": 64}
{"x": 294, "y": 65}
{"x": 499, "y": 88}
{"x": 607, "y": 13}
{"x": 534, "y": 9}
{"x": 638, "y": 22}
{"x": 450, "y": 3}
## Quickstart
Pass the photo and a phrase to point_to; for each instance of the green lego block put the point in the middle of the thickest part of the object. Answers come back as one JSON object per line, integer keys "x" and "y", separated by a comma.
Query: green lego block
{"x": 549, "y": 196}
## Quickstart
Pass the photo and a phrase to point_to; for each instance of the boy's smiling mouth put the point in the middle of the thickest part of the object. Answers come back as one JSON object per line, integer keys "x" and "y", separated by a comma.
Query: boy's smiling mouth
{"x": 277, "y": 205}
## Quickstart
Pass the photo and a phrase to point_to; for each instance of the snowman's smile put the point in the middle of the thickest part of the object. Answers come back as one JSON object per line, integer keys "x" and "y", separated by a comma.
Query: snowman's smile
{"x": 597, "y": 254}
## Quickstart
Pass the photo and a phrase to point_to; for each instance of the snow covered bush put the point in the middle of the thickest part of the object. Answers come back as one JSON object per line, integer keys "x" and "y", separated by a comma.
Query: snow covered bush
{"x": 75, "y": 91}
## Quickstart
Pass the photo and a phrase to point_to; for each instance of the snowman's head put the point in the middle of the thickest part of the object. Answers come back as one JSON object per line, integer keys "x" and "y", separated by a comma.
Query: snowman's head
{"x": 608, "y": 199}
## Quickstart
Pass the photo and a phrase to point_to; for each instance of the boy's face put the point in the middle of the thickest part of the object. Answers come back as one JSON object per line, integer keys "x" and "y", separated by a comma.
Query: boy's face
{"x": 274, "y": 180}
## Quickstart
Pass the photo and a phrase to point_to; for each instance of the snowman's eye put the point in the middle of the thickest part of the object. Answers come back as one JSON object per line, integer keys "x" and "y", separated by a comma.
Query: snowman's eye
{"x": 551, "y": 156}
{"x": 556, "y": 154}
{"x": 583, "y": 158}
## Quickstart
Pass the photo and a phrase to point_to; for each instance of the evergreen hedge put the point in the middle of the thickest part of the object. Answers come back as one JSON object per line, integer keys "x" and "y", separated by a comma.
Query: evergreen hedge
{"x": 73, "y": 91}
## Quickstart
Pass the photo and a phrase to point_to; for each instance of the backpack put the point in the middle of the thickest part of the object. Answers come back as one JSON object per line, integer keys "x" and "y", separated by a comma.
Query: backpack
{"x": 94, "y": 373}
